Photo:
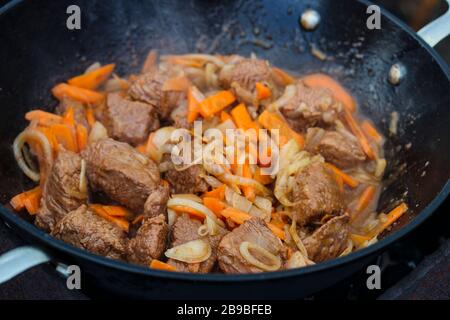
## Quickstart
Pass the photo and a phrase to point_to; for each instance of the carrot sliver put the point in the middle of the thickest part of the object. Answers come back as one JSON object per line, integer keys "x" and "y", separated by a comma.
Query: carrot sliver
{"x": 17, "y": 202}
{"x": 192, "y": 212}
{"x": 354, "y": 127}
{"x": 117, "y": 211}
{"x": 339, "y": 93}
{"x": 224, "y": 116}
{"x": 391, "y": 217}
{"x": 366, "y": 196}
{"x": 82, "y": 136}
{"x": 138, "y": 219}
{"x": 90, "y": 118}
{"x": 120, "y": 222}
{"x": 249, "y": 191}
{"x": 345, "y": 177}
{"x": 262, "y": 178}
{"x": 371, "y": 132}
{"x": 93, "y": 79}
{"x": 358, "y": 240}
{"x": 215, "y": 103}
{"x": 271, "y": 120}
{"x": 218, "y": 193}
{"x": 159, "y": 265}
{"x": 193, "y": 104}
{"x": 79, "y": 94}
{"x": 29, "y": 200}
{"x": 262, "y": 91}
{"x": 65, "y": 136}
{"x": 214, "y": 204}
{"x": 241, "y": 117}
{"x": 277, "y": 231}
{"x": 43, "y": 118}
{"x": 142, "y": 148}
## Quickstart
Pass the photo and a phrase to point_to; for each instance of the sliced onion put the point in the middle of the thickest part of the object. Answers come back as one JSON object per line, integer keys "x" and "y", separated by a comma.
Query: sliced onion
{"x": 83, "y": 179}
{"x": 195, "y": 251}
{"x": 297, "y": 260}
{"x": 175, "y": 202}
{"x": 256, "y": 212}
{"x": 202, "y": 231}
{"x": 288, "y": 94}
{"x": 245, "y": 248}
{"x": 348, "y": 249}
{"x": 247, "y": 182}
{"x": 380, "y": 167}
{"x": 96, "y": 65}
{"x": 98, "y": 132}
{"x": 296, "y": 238}
{"x": 19, "y": 142}
{"x": 263, "y": 203}
{"x": 171, "y": 216}
{"x": 213, "y": 182}
{"x": 237, "y": 201}
{"x": 188, "y": 196}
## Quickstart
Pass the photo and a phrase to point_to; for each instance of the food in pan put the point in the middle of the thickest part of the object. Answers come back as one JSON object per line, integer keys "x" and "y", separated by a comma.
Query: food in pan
{"x": 205, "y": 163}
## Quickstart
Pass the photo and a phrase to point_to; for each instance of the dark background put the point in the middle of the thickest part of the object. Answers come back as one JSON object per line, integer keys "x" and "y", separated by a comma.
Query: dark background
{"x": 425, "y": 270}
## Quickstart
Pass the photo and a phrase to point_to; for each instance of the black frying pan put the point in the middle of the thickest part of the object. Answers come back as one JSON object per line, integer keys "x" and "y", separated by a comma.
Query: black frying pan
{"x": 37, "y": 51}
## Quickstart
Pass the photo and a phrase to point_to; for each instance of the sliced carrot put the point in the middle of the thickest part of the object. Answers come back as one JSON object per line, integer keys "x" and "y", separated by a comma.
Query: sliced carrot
{"x": 358, "y": 239}
{"x": 366, "y": 196}
{"x": 159, "y": 265}
{"x": 181, "y": 83}
{"x": 214, "y": 204}
{"x": 69, "y": 116}
{"x": 277, "y": 220}
{"x": 194, "y": 96}
{"x": 218, "y": 192}
{"x": 339, "y": 93}
{"x": 354, "y": 127}
{"x": 391, "y": 217}
{"x": 120, "y": 222}
{"x": 79, "y": 94}
{"x": 248, "y": 191}
{"x": 43, "y": 118}
{"x": 281, "y": 77}
{"x": 195, "y": 63}
{"x": 150, "y": 61}
{"x": 82, "y": 136}
{"x": 192, "y": 212}
{"x": 90, "y": 118}
{"x": 262, "y": 178}
{"x": 241, "y": 117}
{"x": 271, "y": 120}
{"x": 345, "y": 177}
{"x": 29, "y": 200}
{"x": 64, "y": 135}
{"x": 47, "y": 131}
{"x": 117, "y": 211}
{"x": 224, "y": 116}
{"x": 262, "y": 91}
{"x": 138, "y": 219}
{"x": 93, "y": 79}
{"x": 371, "y": 132}
{"x": 215, "y": 103}
{"x": 240, "y": 217}
{"x": 142, "y": 148}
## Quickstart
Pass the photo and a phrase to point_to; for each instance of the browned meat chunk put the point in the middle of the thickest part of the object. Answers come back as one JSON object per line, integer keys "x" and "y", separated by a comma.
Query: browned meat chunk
{"x": 179, "y": 117}
{"x": 315, "y": 193}
{"x": 329, "y": 240}
{"x": 254, "y": 231}
{"x": 61, "y": 192}
{"x": 245, "y": 72}
{"x": 157, "y": 201}
{"x": 79, "y": 110}
{"x": 343, "y": 151}
{"x": 84, "y": 229}
{"x": 130, "y": 121}
{"x": 310, "y": 107}
{"x": 121, "y": 172}
{"x": 184, "y": 230}
{"x": 187, "y": 181}
{"x": 149, "y": 88}
{"x": 149, "y": 242}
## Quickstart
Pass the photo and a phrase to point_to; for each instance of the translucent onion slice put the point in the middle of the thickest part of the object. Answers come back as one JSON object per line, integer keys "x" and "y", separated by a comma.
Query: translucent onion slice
{"x": 263, "y": 203}
{"x": 245, "y": 248}
{"x": 188, "y": 196}
{"x": 195, "y": 251}
{"x": 175, "y": 202}
{"x": 98, "y": 132}
{"x": 288, "y": 94}
{"x": 83, "y": 179}
{"x": 96, "y": 65}
{"x": 171, "y": 216}
{"x": 296, "y": 238}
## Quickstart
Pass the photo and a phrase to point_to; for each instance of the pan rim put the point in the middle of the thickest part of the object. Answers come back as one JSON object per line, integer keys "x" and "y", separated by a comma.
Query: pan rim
{"x": 48, "y": 240}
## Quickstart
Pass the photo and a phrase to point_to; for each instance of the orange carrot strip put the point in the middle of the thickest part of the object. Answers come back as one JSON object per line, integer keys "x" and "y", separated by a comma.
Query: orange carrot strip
{"x": 262, "y": 91}
{"x": 120, "y": 222}
{"x": 192, "y": 212}
{"x": 321, "y": 80}
{"x": 47, "y": 131}
{"x": 215, "y": 103}
{"x": 138, "y": 219}
{"x": 224, "y": 116}
{"x": 345, "y": 177}
{"x": 17, "y": 202}
{"x": 93, "y": 79}
{"x": 159, "y": 265}
{"x": 150, "y": 61}
{"x": 391, "y": 217}
{"x": 142, "y": 148}
{"x": 241, "y": 117}
{"x": 117, "y": 211}
{"x": 249, "y": 191}
{"x": 32, "y": 200}
{"x": 214, "y": 204}
{"x": 354, "y": 127}
{"x": 79, "y": 94}
{"x": 90, "y": 118}
{"x": 193, "y": 104}
{"x": 262, "y": 178}
{"x": 240, "y": 217}
{"x": 82, "y": 136}
{"x": 181, "y": 83}
{"x": 218, "y": 193}
{"x": 271, "y": 120}
{"x": 65, "y": 136}
{"x": 42, "y": 117}
{"x": 281, "y": 77}
{"x": 371, "y": 132}
{"x": 358, "y": 239}
{"x": 366, "y": 196}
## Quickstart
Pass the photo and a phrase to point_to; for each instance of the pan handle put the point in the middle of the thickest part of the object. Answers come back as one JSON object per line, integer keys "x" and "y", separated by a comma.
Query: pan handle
{"x": 20, "y": 259}
{"x": 436, "y": 30}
